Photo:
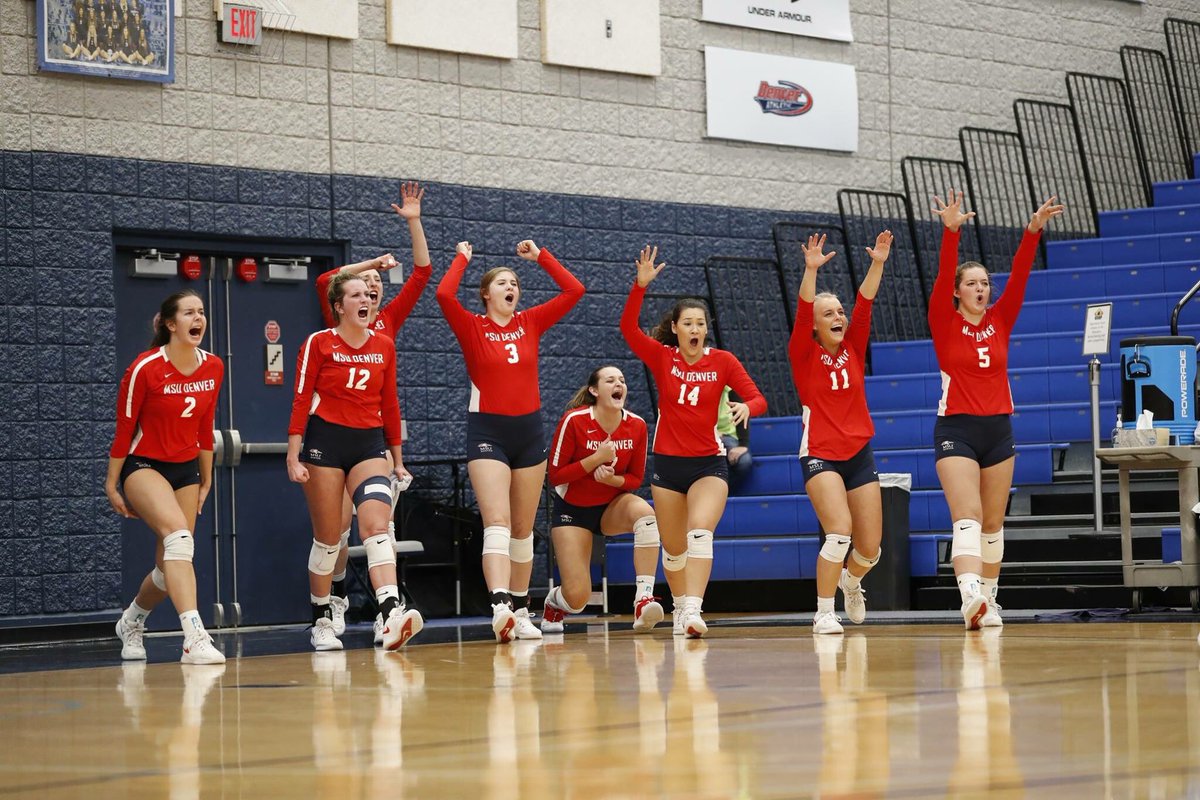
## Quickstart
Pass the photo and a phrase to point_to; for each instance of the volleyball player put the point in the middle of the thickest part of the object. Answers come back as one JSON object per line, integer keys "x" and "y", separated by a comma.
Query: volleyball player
{"x": 160, "y": 466}
{"x": 597, "y": 461}
{"x": 691, "y": 473}
{"x": 972, "y": 438}
{"x": 345, "y": 420}
{"x": 506, "y": 450}
{"x": 828, "y": 354}
{"x": 386, "y": 321}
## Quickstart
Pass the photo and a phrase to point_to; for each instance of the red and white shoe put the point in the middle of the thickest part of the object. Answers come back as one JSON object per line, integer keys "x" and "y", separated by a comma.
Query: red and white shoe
{"x": 503, "y": 622}
{"x": 401, "y": 625}
{"x": 974, "y": 608}
{"x": 552, "y": 618}
{"x": 647, "y": 612}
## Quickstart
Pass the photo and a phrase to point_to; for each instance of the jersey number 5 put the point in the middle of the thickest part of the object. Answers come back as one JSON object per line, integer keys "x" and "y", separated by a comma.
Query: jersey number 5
{"x": 513, "y": 355}
{"x": 985, "y": 360}
{"x": 692, "y": 397}
{"x": 363, "y": 377}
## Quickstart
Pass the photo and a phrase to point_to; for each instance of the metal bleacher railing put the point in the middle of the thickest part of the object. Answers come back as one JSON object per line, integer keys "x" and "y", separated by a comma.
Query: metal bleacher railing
{"x": 835, "y": 276}
{"x": 748, "y": 294}
{"x": 1183, "y": 51}
{"x": 1101, "y": 152}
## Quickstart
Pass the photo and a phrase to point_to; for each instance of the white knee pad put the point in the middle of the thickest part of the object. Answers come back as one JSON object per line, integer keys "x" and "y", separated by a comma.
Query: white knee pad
{"x": 495, "y": 540}
{"x": 520, "y": 551}
{"x": 645, "y": 532}
{"x": 345, "y": 540}
{"x": 835, "y": 548}
{"x": 991, "y": 547}
{"x": 379, "y": 550}
{"x": 179, "y": 546}
{"x": 863, "y": 561}
{"x": 967, "y": 535}
{"x": 674, "y": 563}
{"x": 158, "y": 578}
{"x": 322, "y": 558}
{"x": 700, "y": 544}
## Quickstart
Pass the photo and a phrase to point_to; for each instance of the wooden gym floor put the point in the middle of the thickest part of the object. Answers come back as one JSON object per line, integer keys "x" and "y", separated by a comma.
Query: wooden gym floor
{"x": 758, "y": 709}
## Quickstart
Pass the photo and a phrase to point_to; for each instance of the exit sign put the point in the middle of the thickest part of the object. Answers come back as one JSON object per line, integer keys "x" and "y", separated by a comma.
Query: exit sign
{"x": 242, "y": 24}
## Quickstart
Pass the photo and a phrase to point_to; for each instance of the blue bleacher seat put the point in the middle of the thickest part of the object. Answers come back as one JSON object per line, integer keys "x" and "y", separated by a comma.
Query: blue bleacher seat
{"x": 1172, "y": 193}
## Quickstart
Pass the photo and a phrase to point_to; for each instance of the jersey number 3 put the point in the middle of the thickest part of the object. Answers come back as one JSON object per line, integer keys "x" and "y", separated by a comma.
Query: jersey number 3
{"x": 513, "y": 355}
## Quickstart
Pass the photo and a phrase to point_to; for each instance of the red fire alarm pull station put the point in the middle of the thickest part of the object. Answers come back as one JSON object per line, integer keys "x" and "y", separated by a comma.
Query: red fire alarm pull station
{"x": 247, "y": 270}
{"x": 191, "y": 267}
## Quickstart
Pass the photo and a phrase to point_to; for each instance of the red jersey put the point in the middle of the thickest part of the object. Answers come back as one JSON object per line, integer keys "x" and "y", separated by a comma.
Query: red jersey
{"x": 974, "y": 358}
{"x": 392, "y": 315}
{"x": 164, "y": 414}
{"x": 347, "y": 386}
{"x": 832, "y": 392}
{"x": 689, "y": 395}
{"x": 578, "y": 436}
{"x": 502, "y": 360}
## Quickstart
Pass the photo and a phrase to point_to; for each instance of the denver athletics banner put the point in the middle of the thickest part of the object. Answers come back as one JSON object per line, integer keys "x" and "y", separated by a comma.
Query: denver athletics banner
{"x": 754, "y": 97}
{"x": 822, "y": 19}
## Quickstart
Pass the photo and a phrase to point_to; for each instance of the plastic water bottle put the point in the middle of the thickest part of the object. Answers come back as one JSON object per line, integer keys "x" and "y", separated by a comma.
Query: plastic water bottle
{"x": 1116, "y": 431}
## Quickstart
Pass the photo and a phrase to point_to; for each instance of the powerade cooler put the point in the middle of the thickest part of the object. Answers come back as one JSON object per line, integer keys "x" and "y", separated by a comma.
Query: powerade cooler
{"x": 1158, "y": 374}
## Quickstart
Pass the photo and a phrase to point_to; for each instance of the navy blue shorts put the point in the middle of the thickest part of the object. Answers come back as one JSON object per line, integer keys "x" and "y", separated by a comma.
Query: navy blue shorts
{"x": 568, "y": 515}
{"x": 517, "y": 441}
{"x": 986, "y": 440}
{"x": 678, "y": 473}
{"x": 857, "y": 470}
{"x": 327, "y": 444}
{"x": 178, "y": 473}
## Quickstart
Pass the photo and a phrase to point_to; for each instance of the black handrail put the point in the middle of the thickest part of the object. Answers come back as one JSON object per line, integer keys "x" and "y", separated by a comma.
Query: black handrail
{"x": 1179, "y": 307}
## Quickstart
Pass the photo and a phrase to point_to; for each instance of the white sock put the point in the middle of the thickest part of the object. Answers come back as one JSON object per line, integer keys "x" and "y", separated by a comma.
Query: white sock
{"x": 192, "y": 625}
{"x": 135, "y": 614}
{"x": 850, "y": 580}
{"x": 679, "y": 600}
{"x": 384, "y": 592}
{"x": 968, "y": 585}
{"x": 990, "y": 587}
{"x": 824, "y": 605}
{"x": 645, "y": 587}
{"x": 318, "y": 601}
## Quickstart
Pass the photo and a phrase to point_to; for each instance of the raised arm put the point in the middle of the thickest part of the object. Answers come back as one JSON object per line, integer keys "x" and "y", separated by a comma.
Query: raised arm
{"x": 1009, "y": 304}
{"x": 644, "y": 347}
{"x": 397, "y": 311}
{"x": 570, "y": 289}
{"x": 380, "y": 263}
{"x": 447, "y": 291}
{"x": 801, "y": 343}
{"x": 858, "y": 333}
{"x": 941, "y": 304}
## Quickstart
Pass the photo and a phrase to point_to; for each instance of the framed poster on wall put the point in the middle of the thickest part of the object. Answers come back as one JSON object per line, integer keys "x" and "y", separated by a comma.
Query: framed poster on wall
{"x": 133, "y": 39}
{"x": 822, "y": 19}
{"x": 485, "y": 29}
{"x": 757, "y": 97}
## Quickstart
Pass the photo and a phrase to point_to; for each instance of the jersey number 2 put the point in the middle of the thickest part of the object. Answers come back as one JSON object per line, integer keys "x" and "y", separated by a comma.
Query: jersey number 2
{"x": 363, "y": 377}
{"x": 189, "y": 405}
{"x": 692, "y": 397}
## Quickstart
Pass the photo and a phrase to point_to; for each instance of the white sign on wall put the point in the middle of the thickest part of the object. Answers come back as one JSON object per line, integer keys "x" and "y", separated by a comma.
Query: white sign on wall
{"x": 610, "y": 35}
{"x": 823, "y": 19}
{"x": 485, "y": 29}
{"x": 754, "y": 97}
